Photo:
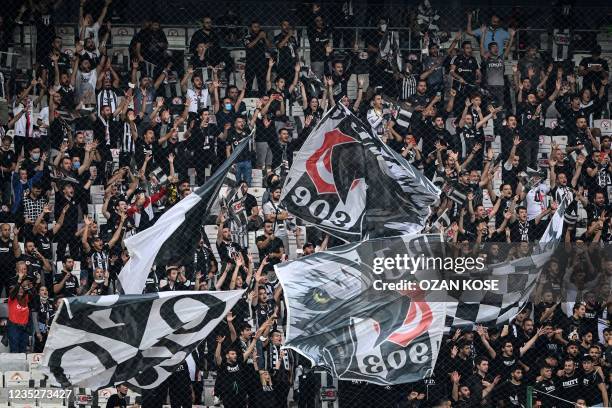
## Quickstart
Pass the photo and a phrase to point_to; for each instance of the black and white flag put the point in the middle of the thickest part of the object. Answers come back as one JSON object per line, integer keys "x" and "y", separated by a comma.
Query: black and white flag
{"x": 174, "y": 237}
{"x": 101, "y": 341}
{"x": 338, "y": 317}
{"x": 349, "y": 183}
{"x": 516, "y": 278}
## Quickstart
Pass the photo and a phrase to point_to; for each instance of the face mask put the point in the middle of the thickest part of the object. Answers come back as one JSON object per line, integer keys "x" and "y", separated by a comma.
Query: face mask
{"x": 35, "y": 156}
{"x": 76, "y": 165}
{"x": 228, "y": 106}
{"x": 99, "y": 280}
{"x": 44, "y": 298}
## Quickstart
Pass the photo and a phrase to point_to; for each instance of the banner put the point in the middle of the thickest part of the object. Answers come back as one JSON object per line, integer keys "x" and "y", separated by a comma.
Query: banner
{"x": 349, "y": 183}
{"x": 175, "y": 235}
{"x": 101, "y": 341}
{"x": 338, "y": 318}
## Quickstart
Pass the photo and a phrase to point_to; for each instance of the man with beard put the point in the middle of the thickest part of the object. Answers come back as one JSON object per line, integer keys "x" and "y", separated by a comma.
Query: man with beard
{"x": 461, "y": 393}
{"x": 569, "y": 383}
{"x": 203, "y": 142}
{"x": 288, "y": 48}
{"x": 529, "y": 114}
{"x": 548, "y": 310}
{"x": 503, "y": 361}
{"x": 513, "y": 392}
{"x": 199, "y": 93}
{"x": 107, "y": 132}
{"x": 84, "y": 75}
{"x": 66, "y": 235}
{"x": 464, "y": 69}
{"x": 145, "y": 92}
{"x": 108, "y": 87}
{"x": 580, "y": 139}
{"x": 256, "y": 42}
{"x": 65, "y": 283}
{"x": 233, "y": 374}
{"x": 118, "y": 400}
{"x": 570, "y": 111}
{"x": 598, "y": 177}
{"x": 56, "y": 59}
{"x": 319, "y": 36}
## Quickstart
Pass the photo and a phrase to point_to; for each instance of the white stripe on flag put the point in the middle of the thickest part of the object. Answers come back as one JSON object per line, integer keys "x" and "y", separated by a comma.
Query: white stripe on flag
{"x": 144, "y": 246}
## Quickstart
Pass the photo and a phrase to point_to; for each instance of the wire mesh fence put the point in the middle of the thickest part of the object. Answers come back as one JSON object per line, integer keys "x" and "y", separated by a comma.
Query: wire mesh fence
{"x": 117, "y": 115}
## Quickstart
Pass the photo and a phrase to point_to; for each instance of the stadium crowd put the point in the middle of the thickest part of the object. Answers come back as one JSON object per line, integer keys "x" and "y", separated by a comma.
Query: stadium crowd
{"x": 149, "y": 135}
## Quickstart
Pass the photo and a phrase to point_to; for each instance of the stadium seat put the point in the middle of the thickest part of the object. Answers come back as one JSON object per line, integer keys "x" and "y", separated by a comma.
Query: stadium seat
{"x": 605, "y": 125}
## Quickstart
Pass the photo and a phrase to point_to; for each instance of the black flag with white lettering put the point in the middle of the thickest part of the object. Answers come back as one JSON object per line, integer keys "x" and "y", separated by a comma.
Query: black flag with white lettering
{"x": 349, "y": 183}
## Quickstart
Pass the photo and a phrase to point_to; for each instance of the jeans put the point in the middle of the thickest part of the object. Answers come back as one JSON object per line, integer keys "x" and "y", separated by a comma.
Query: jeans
{"x": 243, "y": 171}
{"x": 18, "y": 338}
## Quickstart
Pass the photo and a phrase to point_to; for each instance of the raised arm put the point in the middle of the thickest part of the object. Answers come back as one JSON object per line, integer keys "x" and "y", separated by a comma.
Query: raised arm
{"x": 104, "y": 11}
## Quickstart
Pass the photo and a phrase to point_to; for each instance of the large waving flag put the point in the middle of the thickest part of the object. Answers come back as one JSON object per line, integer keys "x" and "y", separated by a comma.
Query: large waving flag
{"x": 175, "y": 235}
{"x": 517, "y": 279}
{"x": 338, "y": 318}
{"x": 349, "y": 183}
{"x": 101, "y": 341}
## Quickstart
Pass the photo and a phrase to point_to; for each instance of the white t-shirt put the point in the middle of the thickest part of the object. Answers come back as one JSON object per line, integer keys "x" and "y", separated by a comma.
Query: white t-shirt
{"x": 92, "y": 32}
{"x": 43, "y": 116}
{"x": 270, "y": 208}
{"x": 86, "y": 81}
{"x": 537, "y": 200}
{"x": 199, "y": 100}
{"x": 21, "y": 124}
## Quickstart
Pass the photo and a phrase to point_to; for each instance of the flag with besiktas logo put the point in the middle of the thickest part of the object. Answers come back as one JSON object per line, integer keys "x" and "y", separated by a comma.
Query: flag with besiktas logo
{"x": 349, "y": 183}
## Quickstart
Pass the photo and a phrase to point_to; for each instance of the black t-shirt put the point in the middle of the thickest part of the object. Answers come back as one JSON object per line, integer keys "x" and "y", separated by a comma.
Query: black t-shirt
{"x": 35, "y": 266}
{"x": 223, "y": 248}
{"x": 271, "y": 247}
{"x": 7, "y": 158}
{"x": 512, "y": 394}
{"x": 569, "y": 387}
{"x": 593, "y": 76}
{"x": 317, "y": 40}
{"x": 70, "y": 286}
{"x": 256, "y": 54}
{"x": 546, "y": 387}
{"x": 466, "y": 67}
{"x": 45, "y": 312}
{"x": 234, "y": 138}
{"x": 232, "y": 382}
{"x": 264, "y": 134}
{"x": 465, "y": 368}
{"x": 7, "y": 258}
{"x": 203, "y": 141}
{"x": 116, "y": 401}
{"x": 502, "y": 365}
{"x": 43, "y": 244}
{"x": 522, "y": 231}
{"x": 590, "y": 388}
{"x": 287, "y": 54}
